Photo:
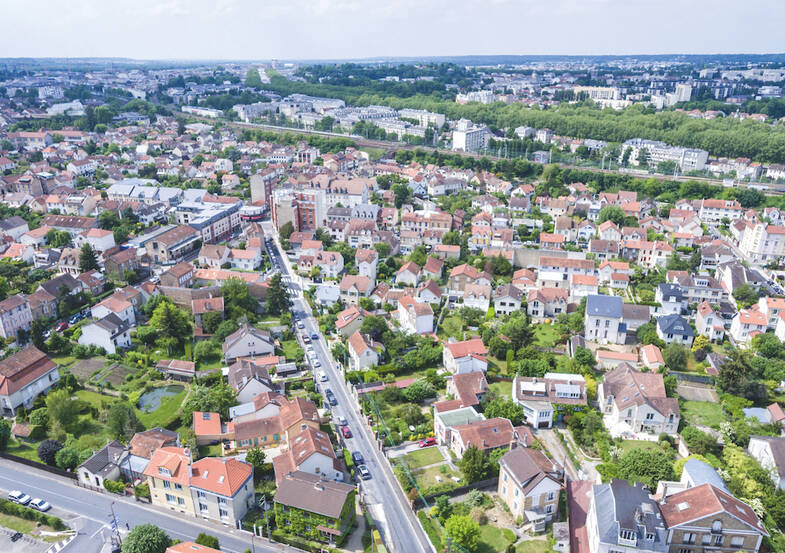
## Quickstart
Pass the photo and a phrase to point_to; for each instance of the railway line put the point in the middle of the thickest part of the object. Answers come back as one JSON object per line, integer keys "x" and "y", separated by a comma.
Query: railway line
{"x": 392, "y": 146}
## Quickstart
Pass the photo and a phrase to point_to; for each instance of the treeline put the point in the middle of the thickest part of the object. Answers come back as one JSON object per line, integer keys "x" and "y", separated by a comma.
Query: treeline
{"x": 721, "y": 137}
{"x": 324, "y": 143}
{"x": 228, "y": 101}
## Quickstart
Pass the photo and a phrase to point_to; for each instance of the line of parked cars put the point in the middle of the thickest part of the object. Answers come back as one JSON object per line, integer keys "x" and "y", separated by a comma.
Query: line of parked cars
{"x": 23, "y": 499}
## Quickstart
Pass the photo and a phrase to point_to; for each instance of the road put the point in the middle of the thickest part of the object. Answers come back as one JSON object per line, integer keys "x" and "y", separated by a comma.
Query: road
{"x": 88, "y": 512}
{"x": 381, "y": 493}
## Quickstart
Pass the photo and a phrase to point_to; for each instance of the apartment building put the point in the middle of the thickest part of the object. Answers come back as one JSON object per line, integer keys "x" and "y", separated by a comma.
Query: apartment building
{"x": 15, "y": 315}
{"x": 173, "y": 245}
{"x": 23, "y": 376}
{"x": 763, "y": 243}
{"x": 221, "y": 489}
{"x": 687, "y": 159}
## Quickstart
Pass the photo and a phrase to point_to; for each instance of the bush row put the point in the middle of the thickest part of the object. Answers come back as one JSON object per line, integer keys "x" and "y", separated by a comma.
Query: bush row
{"x": 14, "y": 509}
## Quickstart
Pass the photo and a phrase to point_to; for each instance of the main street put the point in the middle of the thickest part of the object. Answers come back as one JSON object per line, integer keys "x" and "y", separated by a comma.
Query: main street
{"x": 381, "y": 493}
{"x": 89, "y": 513}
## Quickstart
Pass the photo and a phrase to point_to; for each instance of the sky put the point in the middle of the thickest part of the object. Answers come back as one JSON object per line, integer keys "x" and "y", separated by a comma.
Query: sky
{"x": 346, "y": 29}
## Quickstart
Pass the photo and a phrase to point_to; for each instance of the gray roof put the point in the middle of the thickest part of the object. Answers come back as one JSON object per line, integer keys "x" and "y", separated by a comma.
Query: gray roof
{"x": 670, "y": 290}
{"x": 620, "y": 506}
{"x": 12, "y": 222}
{"x": 633, "y": 312}
{"x": 112, "y": 324}
{"x": 312, "y": 494}
{"x": 604, "y": 306}
{"x": 105, "y": 459}
{"x": 675, "y": 324}
{"x": 700, "y": 473}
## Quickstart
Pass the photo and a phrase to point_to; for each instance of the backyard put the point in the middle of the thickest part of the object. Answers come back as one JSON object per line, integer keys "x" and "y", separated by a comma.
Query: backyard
{"x": 423, "y": 457}
{"x": 702, "y": 413}
{"x": 546, "y": 335}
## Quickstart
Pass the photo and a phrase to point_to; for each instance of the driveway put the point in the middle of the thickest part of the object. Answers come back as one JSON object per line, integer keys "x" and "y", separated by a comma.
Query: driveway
{"x": 401, "y": 450}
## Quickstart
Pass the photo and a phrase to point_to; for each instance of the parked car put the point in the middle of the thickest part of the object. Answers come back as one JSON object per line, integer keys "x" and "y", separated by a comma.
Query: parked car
{"x": 40, "y": 505}
{"x": 427, "y": 442}
{"x": 73, "y": 320}
{"x": 331, "y": 399}
{"x": 314, "y": 336}
{"x": 346, "y": 432}
{"x": 300, "y": 325}
{"x": 61, "y": 326}
{"x": 342, "y": 421}
{"x": 357, "y": 457}
{"x": 317, "y": 364}
{"x": 365, "y": 474}
{"x": 19, "y": 497}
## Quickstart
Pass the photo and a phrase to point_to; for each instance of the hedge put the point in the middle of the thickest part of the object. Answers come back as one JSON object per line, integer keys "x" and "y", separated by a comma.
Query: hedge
{"x": 114, "y": 486}
{"x": 14, "y": 509}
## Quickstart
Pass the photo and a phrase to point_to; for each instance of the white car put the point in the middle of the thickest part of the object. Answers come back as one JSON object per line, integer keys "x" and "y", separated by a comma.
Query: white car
{"x": 322, "y": 376}
{"x": 40, "y": 505}
{"x": 19, "y": 497}
{"x": 300, "y": 325}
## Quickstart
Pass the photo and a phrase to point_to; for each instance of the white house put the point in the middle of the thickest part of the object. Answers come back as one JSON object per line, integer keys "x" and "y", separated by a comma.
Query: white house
{"x": 247, "y": 341}
{"x": 708, "y": 323}
{"x": 362, "y": 352}
{"x": 465, "y": 357}
{"x": 246, "y": 260}
{"x": 414, "y": 317}
{"x": 507, "y": 299}
{"x": 367, "y": 262}
{"x": 117, "y": 305}
{"x": 23, "y": 376}
{"x": 674, "y": 329}
{"x": 635, "y": 402}
{"x": 110, "y": 332}
{"x": 603, "y": 320}
{"x": 769, "y": 451}
{"x": 747, "y": 324}
{"x": 99, "y": 239}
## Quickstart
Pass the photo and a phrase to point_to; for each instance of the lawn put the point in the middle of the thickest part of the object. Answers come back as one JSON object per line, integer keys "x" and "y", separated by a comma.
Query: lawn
{"x": 23, "y": 449}
{"x": 423, "y": 457}
{"x": 702, "y": 413}
{"x": 27, "y": 527}
{"x": 492, "y": 540}
{"x": 290, "y": 349}
{"x": 533, "y": 546}
{"x": 545, "y": 335}
{"x": 501, "y": 389}
{"x": 427, "y": 477}
{"x": 373, "y": 153}
{"x": 214, "y": 450}
{"x": 628, "y": 445}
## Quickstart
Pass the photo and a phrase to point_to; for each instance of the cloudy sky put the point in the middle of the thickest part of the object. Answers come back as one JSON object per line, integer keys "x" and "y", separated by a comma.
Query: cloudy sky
{"x": 315, "y": 29}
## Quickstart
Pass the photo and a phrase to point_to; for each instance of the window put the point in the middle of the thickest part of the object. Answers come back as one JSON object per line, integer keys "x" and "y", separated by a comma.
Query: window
{"x": 223, "y": 513}
{"x": 706, "y": 539}
{"x": 716, "y": 526}
{"x": 627, "y": 535}
{"x": 549, "y": 509}
{"x": 685, "y": 550}
{"x": 200, "y": 494}
{"x": 203, "y": 507}
{"x": 222, "y": 501}
{"x": 649, "y": 536}
{"x": 170, "y": 498}
{"x": 551, "y": 496}
{"x": 180, "y": 501}
{"x": 688, "y": 537}
{"x": 178, "y": 487}
{"x": 737, "y": 541}
{"x": 167, "y": 485}
{"x": 649, "y": 416}
{"x": 719, "y": 539}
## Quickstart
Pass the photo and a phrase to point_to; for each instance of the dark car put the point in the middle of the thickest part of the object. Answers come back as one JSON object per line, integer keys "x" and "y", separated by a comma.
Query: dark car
{"x": 331, "y": 399}
{"x": 357, "y": 457}
{"x": 314, "y": 336}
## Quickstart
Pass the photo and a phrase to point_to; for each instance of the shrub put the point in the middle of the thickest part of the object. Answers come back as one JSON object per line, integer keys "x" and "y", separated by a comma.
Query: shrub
{"x": 113, "y": 486}
{"x": 47, "y": 451}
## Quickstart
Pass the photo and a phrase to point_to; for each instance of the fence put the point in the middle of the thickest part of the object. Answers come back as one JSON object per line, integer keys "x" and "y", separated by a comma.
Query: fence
{"x": 689, "y": 377}
{"x": 40, "y": 466}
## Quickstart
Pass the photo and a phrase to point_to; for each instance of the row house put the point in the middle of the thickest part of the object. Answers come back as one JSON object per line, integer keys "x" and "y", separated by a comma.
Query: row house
{"x": 711, "y": 210}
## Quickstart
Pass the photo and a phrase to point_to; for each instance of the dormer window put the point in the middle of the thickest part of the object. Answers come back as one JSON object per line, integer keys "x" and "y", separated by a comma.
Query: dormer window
{"x": 716, "y": 526}
{"x": 163, "y": 471}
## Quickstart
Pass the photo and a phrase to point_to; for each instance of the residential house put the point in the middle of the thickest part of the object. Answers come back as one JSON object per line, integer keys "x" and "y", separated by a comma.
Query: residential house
{"x": 104, "y": 464}
{"x": 541, "y": 397}
{"x": 354, "y": 287}
{"x": 408, "y": 274}
{"x": 367, "y": 262}
{"x": 173, "y": 245}
{"x": 603, "y": 320}
{"x": 530, "y": 484}
{"x": 314, "y": 508}
{"x": 222, "y": 489}
{"x": 350, "y": 319}
{"x": 23, "y": 376}
{"x": 15, "y": 315}
{"x": 362, "y": 352}
{"x": 769, "y": 451}
{"x": 547, "y": 302}
{"x": 180, "y": 275}
{"x": 486, "y": 435}
{"x": 477, "y": 296}
{"x": 414, "y": 317}
{"x": 168, "y": 476}
{"x": 465, "y": 357}
{"x": 247, "y": 341}
{"x": 674, "y": 329}
{"x": 507, "y": 299}
{"x": 109, "y": 332}
{"x": 635, "y": 402}
{"x": 747, "y": 324}
{"x": 708, "y": 323}
{"x": 117, "y": 305}
{"x": 311, "y": 452}
{"x": 651, "y": 357}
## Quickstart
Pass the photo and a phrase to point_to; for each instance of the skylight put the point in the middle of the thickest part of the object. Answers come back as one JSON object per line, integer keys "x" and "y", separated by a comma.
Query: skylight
{"x": 683, "y": 505}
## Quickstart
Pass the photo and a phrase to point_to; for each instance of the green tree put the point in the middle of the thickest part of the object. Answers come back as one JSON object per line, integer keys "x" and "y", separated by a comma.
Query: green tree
{"x": 205, "y": 350}
{"x": 207, "y": 540}
{"x": 383, "y": 249}
{"x": 146, "y": 538}
{"x": 474, "y": 465}
{"x": 505, "y": 409}
{"x": 238, "y": 300}
{"x": 88, "y": 259}
{"x": 252, "y": 80}
{"x": 745, "y": 295}
{"x": 648, "y": 466}
{"x": 61, "y": 408}
{"x": 286, "y": 230}
{"x": 172, "y": 324}
{"x": 612, "y": 213}
{"x": 675, "y": 357}
{"x": 277, "y": 296}
{"x": 47, "y": 451}
{"x": 121, "y": 421}
{"x": 211, "y": 320}
{"x": 67, "y": 458}
{"x": 419, "y": 391}
{"x": 37, "y": 330}
{"x": 464, "y": 531}
{"x": 5, "y": 434}
{"x": 257, "y": 458}
{"x": 147, "y": 335}
{"x": 216, "y": 398}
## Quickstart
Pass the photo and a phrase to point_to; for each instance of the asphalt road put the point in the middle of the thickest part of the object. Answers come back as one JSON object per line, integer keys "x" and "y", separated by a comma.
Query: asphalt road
{"x": 381, "y": 492}
{"x": 89, "y": 513}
